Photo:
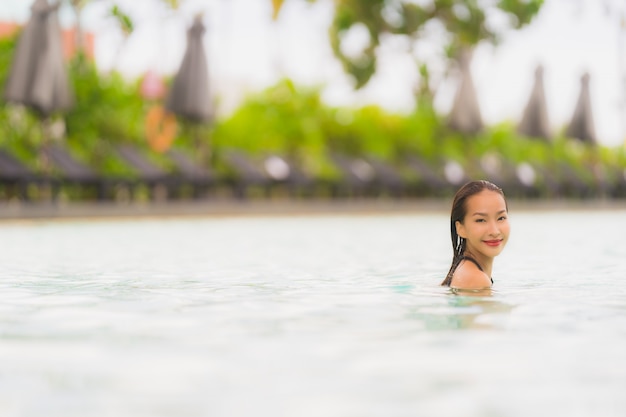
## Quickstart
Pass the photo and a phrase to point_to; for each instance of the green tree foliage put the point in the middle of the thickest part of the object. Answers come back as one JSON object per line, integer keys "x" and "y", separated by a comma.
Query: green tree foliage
{"x": 465, "y": 23}
{"x": 110, "y": 111}
{"x": 7, "y": 46}
{"x": 286, "y": 119}
{"x": 291, "y": 120}
{"x": 124, "y": 21}
{"x": 280, "y": 119}
{"x": 106, "y": 105}
{"x": 19, "y": 129}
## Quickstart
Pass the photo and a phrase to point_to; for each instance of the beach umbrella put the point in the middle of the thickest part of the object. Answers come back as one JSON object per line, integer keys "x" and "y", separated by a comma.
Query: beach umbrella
{"x": 465, "y": 115}
{"x": 189, "y": 95}
{"x": 582, "y": 127}
{"x": 37, "y": 78}
{"x": 535, "y": 122}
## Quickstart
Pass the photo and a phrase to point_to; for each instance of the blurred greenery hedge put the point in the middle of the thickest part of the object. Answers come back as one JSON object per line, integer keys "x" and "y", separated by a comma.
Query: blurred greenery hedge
{"x": 285, "y": 118}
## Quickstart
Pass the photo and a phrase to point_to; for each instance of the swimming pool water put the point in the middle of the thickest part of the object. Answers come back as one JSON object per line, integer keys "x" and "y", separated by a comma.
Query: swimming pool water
{"x": 310, "y": 316}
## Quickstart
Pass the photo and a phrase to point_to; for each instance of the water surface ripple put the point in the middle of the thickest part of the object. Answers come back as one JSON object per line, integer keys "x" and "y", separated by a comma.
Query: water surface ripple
{"x": 309, "y": 316}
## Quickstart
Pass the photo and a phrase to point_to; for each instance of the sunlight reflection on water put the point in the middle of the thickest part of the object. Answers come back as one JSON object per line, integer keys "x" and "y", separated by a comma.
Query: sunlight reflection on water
{"x": 309, "y": 316}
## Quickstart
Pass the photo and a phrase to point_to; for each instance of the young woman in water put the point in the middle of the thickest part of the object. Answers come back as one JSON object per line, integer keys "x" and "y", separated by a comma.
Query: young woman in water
{"x": 480, "y": 228}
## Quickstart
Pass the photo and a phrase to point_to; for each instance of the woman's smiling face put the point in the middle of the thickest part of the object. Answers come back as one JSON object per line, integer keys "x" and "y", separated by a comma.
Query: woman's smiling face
{"x": 486, "y": 225}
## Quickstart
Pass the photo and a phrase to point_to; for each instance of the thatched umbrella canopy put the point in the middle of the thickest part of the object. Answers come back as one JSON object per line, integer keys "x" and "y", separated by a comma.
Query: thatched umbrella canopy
{"x": 37, "y": 78}
{"x": 189, "y": 96}
{"x": 465, "y": 116}
{"x": 535, "y": 122}
{"x": 582, "y": 126}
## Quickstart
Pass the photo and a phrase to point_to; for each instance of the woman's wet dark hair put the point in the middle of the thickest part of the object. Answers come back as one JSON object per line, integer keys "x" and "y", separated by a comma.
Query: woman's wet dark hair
{"x": 459, "y": 210}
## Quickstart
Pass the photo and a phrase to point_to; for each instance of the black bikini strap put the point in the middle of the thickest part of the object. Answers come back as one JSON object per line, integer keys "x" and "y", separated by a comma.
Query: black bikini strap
{"x": 468, "y": 258}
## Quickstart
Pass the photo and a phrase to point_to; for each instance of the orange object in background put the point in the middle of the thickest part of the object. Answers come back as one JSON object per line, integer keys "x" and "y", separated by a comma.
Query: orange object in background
{"x": 68, "y": 39}
{"x": 161, "y": 129}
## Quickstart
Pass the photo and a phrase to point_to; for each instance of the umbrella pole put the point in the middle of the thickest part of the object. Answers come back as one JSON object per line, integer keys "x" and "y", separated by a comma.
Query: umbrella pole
{"x": 46, "y": 127}
{"x": 46, "y": 191}
{"x": 202, "y": 146}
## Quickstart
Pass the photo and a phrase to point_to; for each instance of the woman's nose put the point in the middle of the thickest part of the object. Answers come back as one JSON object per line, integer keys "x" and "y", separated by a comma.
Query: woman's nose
{"x": 494, "y": 229}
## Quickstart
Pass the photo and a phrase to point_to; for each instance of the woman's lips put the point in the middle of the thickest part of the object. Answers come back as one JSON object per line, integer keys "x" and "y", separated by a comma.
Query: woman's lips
{"x": 496, "y": 242}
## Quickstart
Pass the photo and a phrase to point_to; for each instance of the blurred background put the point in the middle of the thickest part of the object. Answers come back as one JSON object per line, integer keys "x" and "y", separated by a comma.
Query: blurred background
{"x": 166, "y": 99}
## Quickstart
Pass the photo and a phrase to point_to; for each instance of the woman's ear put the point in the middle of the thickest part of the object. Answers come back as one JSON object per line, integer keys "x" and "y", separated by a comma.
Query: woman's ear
{"x": 460, "y": 229}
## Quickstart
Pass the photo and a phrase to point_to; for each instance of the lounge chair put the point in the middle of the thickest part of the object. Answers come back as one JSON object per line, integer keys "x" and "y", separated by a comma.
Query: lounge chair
{"x": 148, "y": 173}
{"x": 428, "y": 180}
{"x": 530, "y": 182}
{"x": 437, "y": 179}
{"x": 247, "y": 174}
{"x": 387, "y": 177}
{"x": 72, "y": 172}
{"x": 16, "y": 176}
{"x": 572, "y": 183}
{"x": 517, "y": 180}
{"x": 617, "y": 175}
{"x": 358, "y": 176}
{"x": 286, "y": 172}
{"x": 199, "y": 177}
{"x": 603, "y": 179}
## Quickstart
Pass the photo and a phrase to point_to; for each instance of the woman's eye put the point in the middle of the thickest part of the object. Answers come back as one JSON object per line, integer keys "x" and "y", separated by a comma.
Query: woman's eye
{"x": 480, "y": 220}
{"x": 502, "y": 218}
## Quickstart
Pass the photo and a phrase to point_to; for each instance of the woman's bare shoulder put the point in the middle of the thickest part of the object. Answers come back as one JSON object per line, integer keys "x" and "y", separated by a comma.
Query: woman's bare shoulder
{"x": 468, "y": 276}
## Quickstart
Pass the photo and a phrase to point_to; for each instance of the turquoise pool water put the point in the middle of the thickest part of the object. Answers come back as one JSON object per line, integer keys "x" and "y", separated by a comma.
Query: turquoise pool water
{"x": 310, "y": 316}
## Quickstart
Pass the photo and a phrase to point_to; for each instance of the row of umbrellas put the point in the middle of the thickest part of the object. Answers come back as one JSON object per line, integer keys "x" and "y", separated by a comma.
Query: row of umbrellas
{"x": 465, "y": 115}
{"x": 38, "y": 80}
